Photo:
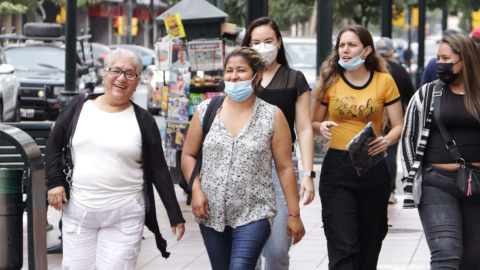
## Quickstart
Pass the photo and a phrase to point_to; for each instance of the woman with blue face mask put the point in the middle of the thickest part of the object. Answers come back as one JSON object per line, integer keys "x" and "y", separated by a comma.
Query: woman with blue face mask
{"x": 354, "y": 88}
{"x": 287, "y": 89}
{"x": 233, "y": 197}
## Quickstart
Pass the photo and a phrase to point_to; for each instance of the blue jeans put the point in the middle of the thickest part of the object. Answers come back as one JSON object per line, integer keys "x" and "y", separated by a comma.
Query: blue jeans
{"x": 451, "y": 221}
{"x": 236, "y": 249}
{"x": 276, "y": 249}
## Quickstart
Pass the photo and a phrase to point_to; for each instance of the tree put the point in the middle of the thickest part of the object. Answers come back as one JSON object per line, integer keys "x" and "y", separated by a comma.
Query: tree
{"x": 8, "y": 8}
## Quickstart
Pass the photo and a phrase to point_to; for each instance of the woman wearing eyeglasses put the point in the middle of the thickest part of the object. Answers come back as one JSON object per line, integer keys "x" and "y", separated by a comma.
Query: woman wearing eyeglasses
{"x": 118, "y": 158}
{"x": 288, "y": 90}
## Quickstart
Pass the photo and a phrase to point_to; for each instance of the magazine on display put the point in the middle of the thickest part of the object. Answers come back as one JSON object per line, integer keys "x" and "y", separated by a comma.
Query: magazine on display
{"x": 163, "y": 53}
{"x": 171, "y": 157}
{"x": 180, "y": 57}
{"x": 179, "y": 82}
{"x": 176, "y": 134}
{"x": 178, "y": 108}
{"x": 206, "y": 55}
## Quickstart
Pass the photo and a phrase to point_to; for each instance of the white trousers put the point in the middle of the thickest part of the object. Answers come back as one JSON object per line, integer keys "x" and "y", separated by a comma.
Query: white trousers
{"x": 103, "y": 240}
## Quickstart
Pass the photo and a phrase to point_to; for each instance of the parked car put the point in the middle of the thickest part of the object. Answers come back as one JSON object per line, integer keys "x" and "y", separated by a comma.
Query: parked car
{"x": 302, "y": 56}
{"x": 9, "y": 85}
{"x": 145, "y": 54}
{"x": 97, "y": 51}
{"x": 40, "y": 65}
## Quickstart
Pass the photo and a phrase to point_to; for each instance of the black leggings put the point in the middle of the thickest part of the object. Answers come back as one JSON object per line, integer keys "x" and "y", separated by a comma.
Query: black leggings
{"x": 354, "y": 211}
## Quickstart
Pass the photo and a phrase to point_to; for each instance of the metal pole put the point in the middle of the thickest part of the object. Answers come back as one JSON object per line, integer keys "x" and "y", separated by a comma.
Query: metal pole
{"x": 387, "y": 18}
{"x": 129, "y": 22}
{"x": 255, "y": 9}
{"x": 444, "y": 18}
{"x": 151, "y": 22}
{"x": 221, "y": 4}
{"x": 422, "y": 10}
{"x": 70, "y": 54}
{"x": 324, "y": 30}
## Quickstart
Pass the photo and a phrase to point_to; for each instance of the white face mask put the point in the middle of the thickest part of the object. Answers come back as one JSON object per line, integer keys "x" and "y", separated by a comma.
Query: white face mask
{"x": 267, "y": 51}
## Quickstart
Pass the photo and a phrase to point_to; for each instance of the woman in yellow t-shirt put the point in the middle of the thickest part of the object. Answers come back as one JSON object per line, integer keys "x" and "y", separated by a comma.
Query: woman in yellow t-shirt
{"x": 354, "y": 88}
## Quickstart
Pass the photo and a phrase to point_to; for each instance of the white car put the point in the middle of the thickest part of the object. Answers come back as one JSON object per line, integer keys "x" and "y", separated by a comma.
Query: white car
{"x": 302, "y": 56}
{"x": 9, "y": 85}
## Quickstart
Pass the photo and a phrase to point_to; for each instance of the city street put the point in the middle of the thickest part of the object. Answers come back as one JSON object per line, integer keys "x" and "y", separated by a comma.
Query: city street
{"x": 403, "y": 248}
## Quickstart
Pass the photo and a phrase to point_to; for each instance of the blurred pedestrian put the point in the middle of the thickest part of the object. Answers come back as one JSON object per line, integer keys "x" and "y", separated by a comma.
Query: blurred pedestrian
{"x": 118, "y": 158}
{"x": 233, "y": 198}
{"x": 430, "y": 73}
{"x": 475, "y": 35}
{"x": 405, "y": 87}
{"x": 353, "y": 89}
{"x": 289, "y": 91}
{"x": 450, "y": 220}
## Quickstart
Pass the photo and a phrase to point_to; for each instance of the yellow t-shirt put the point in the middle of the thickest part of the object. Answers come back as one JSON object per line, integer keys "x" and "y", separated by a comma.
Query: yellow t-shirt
{"x": 352, "y": 107}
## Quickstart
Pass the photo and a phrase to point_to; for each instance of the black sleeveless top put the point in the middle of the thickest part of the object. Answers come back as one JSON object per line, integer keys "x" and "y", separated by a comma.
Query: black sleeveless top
{"x": 462, "y": 126}
{"x": 282, "y": 91}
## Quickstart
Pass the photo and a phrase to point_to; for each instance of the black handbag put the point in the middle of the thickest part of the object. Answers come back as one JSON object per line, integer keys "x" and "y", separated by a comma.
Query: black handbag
{"x": 67, "y": 161}
{"x": 468, "y": 179}
{"x": 210, "y": 114}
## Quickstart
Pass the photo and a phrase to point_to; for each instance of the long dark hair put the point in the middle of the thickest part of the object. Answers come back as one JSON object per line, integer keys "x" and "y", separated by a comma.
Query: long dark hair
{"x": 468, "y": 52}
{"x": 282, "y": 55}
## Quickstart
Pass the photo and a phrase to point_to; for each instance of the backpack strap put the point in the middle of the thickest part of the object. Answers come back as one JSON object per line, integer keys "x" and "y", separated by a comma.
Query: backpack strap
{"x": 210, "y": 114}
{"x": 449, "y": 143}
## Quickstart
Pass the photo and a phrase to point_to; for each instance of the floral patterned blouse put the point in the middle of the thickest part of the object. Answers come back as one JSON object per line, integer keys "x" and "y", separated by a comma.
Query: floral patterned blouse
{"x": 236, "y": 172}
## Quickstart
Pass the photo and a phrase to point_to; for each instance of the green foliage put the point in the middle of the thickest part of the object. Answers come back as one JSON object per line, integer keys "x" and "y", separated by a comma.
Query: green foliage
{"x": 82, "y": 4}
{"x": 288, "y": 12}
{"x": 8, "y": 8}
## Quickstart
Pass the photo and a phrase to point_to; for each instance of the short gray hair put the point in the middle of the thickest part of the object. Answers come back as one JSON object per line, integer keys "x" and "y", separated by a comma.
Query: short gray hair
{"x": 120, "y": 53}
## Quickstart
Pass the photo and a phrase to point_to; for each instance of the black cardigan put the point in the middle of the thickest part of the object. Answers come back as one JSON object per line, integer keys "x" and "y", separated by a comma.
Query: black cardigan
{"x": 154, "y": 167}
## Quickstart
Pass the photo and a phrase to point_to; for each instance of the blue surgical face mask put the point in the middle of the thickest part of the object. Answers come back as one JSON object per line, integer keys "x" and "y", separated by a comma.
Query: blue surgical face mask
{"x": 353, "y": 64}
{"x": 239, "y": 91}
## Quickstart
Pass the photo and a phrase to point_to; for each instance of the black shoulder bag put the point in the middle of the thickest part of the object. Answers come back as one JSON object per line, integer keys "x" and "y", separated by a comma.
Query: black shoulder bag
{"x": 210, "y": 114}
{"x": 67, "y": 162}
{"x": 468, "y": 179}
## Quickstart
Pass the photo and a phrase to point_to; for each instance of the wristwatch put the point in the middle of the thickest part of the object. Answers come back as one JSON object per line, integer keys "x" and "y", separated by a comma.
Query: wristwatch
{"x": 311, "y": 174}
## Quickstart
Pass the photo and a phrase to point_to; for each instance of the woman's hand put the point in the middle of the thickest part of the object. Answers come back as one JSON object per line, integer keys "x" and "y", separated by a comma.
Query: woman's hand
{"x": 325, "y": 127}
{"x": 378, "y": 146}
{"x": 295, "y": 229}
{"x": 307, "y": 190}
{"x": 200, "y": 204}
{"x": 181, "y": 230}
{"x": 56, "y": 197}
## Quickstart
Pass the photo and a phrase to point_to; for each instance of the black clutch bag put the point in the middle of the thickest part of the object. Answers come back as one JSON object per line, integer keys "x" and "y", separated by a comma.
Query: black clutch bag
{"x": 358, "y": 149}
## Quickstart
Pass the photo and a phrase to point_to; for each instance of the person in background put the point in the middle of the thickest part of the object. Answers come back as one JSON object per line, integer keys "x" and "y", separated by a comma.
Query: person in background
{"x": 118, "y": 157}
{"x": 475, "y": 36}
{"x": 233, "y": 197}
{"x": 182, "y": 60}
{"x": 353, "y": 89}
{"x": 451, "y": 221}
{"x": 289, "y": 91}
{"x": 430, "y": 73}
{"x": 405, "y": 87}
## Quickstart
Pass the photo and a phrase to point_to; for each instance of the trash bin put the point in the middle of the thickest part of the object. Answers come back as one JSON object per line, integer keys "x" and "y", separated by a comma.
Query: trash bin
{"x": 11, "y": 219}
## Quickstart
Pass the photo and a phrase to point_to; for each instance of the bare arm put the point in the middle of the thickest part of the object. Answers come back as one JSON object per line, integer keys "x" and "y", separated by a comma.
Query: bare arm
{"x": 395, "y": 116}
{"x": 303, "y": 127}
{"x": 189, "y": 158}
{"x": 282, "y": 154}
{"x": 320, "y": 126}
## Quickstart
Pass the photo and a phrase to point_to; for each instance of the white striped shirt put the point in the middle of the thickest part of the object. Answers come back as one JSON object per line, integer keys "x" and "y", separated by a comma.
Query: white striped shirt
{"x": 414, "y": 141}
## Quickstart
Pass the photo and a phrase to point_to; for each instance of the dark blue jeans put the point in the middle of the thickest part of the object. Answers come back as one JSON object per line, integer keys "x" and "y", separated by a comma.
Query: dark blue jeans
{"x": 236, "y": 249}
{"x": 451, "y": 221}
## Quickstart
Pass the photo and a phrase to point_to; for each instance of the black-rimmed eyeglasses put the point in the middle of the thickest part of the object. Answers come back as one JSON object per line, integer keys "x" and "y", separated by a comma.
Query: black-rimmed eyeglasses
{"x": 117, "y": 73}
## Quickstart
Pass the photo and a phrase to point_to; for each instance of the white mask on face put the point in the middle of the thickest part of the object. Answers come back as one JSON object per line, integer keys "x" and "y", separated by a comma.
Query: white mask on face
{"x": 267, "y": 51}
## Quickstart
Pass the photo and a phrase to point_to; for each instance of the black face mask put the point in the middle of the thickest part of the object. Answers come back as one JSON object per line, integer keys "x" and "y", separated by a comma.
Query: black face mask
{"x": 445, "y": 72}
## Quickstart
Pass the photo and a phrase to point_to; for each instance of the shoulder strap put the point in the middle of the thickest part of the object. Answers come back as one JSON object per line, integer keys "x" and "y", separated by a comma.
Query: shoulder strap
{"x": 208, "y": 118}
{"x": 449, "y": 143}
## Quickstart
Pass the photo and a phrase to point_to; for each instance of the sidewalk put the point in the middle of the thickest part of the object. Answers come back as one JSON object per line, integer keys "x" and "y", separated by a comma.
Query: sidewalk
{"x": 403, "y": 248}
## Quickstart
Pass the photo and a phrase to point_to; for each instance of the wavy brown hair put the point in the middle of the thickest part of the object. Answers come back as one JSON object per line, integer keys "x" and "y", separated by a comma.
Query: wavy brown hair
{"x": 468, "y": 52}
{"x": 330, "y": 69}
